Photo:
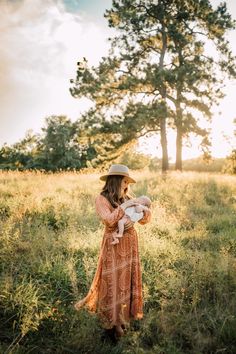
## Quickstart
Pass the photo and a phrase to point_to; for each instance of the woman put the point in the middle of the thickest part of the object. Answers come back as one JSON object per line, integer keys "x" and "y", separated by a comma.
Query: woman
{"x": 116, "y": 290}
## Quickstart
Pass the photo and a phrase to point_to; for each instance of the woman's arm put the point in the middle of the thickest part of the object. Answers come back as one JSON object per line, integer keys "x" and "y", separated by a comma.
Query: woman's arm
{"x": 140, "y": 208}
{"x": 103, "y": 209}
{"x": 129, "y": 203}
{"x": 146, "y": 217}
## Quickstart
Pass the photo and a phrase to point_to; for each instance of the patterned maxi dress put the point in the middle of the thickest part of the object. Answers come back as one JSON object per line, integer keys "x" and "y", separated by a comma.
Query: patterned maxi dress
{"x": 116, "y": 290}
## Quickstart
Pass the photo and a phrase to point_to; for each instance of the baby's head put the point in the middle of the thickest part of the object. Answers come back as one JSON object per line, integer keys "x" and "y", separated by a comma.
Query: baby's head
{"x": 144, "y": 200}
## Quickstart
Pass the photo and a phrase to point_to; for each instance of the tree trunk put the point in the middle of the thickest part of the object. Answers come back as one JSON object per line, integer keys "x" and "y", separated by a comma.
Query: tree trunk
{"x": 178, "y": 161}
{"x": 179, "y": 137}
{"x": 165, "y": 160}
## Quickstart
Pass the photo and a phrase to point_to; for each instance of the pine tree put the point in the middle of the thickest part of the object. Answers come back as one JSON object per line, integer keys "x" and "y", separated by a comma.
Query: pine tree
{"x": 158, "y": 71}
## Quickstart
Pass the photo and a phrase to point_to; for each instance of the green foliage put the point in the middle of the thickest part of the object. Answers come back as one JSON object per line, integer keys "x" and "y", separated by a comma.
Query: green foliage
{"x": 22, "y": 154}
{"x": 230, "y": 166}
{"x": 135, "y": 161}
{"x": 60, "y": 147}
{"x": 49, "y": 244}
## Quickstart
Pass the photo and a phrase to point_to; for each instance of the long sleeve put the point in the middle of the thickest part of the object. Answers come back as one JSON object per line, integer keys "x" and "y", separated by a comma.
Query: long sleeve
{"x": 146, "y": 218}
{"x": 104, "y": 210}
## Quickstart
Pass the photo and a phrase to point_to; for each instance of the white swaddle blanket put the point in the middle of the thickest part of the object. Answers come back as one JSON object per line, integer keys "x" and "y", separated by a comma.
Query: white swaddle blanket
{"x": 134, "y": 216}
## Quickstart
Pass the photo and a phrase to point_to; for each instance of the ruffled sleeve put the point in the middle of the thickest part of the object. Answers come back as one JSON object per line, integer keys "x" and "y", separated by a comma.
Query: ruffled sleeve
{"x": 105, "y": 211}
{"x": 146, "y": 217}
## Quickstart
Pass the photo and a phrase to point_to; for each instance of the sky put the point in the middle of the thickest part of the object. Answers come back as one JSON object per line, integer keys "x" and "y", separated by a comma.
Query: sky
{"x": 40, "y": 44}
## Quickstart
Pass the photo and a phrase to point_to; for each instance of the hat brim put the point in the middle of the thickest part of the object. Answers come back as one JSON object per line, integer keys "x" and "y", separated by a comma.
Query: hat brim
{"x": 104, "y": 177}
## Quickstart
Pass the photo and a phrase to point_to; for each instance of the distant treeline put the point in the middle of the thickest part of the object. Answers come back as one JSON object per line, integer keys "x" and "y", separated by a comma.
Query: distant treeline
{"x": 61, "y": 146}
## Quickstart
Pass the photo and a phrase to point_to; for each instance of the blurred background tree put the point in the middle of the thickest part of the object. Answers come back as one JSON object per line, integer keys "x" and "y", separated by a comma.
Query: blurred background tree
{"x": 135, "y": 160}
{"x": 21, "y": 155}
{"x": 230, "y": 165}
{"x": 60, "y": 146}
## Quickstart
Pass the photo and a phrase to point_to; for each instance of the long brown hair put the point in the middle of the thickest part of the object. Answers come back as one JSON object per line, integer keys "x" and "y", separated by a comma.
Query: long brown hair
{"x": 111, "y": 190}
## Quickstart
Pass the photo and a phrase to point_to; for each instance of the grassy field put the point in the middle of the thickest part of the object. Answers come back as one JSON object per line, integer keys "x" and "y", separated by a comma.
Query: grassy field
{"x": 49, "y": 244}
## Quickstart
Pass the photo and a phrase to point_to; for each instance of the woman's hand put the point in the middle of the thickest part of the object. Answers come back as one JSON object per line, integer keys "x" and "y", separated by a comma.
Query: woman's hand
{"x": 128, "y": 204}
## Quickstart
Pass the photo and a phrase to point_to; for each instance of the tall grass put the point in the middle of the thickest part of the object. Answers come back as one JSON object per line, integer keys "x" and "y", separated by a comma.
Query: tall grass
{"x": 49, "y": 245}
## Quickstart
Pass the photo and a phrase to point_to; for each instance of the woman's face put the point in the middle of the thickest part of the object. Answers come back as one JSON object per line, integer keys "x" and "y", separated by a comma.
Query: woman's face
{"x": 124, "y": 187}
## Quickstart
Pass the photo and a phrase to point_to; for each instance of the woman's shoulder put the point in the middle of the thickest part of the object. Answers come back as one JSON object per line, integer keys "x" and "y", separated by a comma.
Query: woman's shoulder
{"x": 101, "y": 199}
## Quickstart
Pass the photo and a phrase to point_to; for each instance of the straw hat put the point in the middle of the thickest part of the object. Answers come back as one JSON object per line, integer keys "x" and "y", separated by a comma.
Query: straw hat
{"x": 118, "y": 170}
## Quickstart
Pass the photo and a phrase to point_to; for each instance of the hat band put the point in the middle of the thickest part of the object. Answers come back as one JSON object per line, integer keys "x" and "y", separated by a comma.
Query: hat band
{"x": 118, "y": 173}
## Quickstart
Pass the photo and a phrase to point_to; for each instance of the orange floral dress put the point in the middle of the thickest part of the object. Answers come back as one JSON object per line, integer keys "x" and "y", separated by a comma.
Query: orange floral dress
{"x": 116, "y": 291}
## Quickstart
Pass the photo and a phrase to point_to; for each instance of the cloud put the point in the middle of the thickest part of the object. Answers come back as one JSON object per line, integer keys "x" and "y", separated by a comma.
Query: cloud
{"x": 40, "y": 43}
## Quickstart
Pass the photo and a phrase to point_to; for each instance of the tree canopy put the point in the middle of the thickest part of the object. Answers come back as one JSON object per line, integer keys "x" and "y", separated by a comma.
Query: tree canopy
{"x": 158, "y": 73}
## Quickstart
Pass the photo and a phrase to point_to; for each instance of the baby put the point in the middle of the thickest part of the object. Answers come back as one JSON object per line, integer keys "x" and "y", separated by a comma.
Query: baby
{"x": 132, "y": 214}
